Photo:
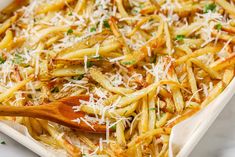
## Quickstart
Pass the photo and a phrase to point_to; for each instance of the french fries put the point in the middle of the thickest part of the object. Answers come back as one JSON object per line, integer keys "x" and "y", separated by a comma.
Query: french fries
{"x": 144, "y": 66}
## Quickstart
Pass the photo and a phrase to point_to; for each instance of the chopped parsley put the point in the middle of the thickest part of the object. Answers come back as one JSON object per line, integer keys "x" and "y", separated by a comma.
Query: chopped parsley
{"x": 3, "y": 142}
{"x": 135, "y": 11}
{"x": 78, "y": 77}
{"x": 89, "y": 64}
{"x": 18, "y": 59}
{"x": 106, "y": 24}
{"x": 92, "y": 29}
{"x": 55, "y": 90}
{"x": 70, "y": 14}
{"x": 218, "y": 26}
{"x": 128, "y": 63}
{"x": 114, "y": 127}
{"x": 70, "y": 31}
{"x": 209, "y": 7}
{"x": 2, "y": 60}
{"x": 152, "y": 109}
{"x": 180, "y": 37}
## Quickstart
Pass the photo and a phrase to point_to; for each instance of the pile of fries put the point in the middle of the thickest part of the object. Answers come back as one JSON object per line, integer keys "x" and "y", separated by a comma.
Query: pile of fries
{"x": 145, "y": 64}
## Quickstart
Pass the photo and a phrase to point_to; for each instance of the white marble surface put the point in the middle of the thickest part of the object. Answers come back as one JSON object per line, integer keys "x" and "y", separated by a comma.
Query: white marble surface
{"x": 219, "y": 141}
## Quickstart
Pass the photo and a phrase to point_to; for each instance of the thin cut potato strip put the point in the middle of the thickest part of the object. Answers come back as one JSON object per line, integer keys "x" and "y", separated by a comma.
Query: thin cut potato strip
{"x": 227, "y": 6}
{"x": 100, "y": 78}
{"x": 54, "y": 6}
{"x": 68, "y": 71}
{"x": 92, "y": 51}
{"x": 197, "y": 53}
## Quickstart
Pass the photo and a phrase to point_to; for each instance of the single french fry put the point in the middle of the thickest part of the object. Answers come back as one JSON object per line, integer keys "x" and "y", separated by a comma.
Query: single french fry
{"x": 163, "y": 120}
{"x": 71, "y": 149}
{"x": 121, "y": 8}
{"x": 151, "y": 133}
{"x": 213, "y": 74}
{"x": 184, "y": 116}
{"x": 144, "y": 124}
{"x": 176, "y": 93}
{"x": 72, "y": 70}
{"x": 199, "y": 52}
{"x": 57, "y": 5}
{"x": 168, "y": 38}
{"x": 42, "y": 34}
{"x": 6, "y": 24}
{"x": 120, "y": 133}
{"x": 152, "y": 112}
{"x": 192, "y": 81}
{"x": 92, "y": 51}
{"x": 10, "y": 92}
{"x": 80, "y": 6}
{"x": 219, "y": 87}
{"x": 227, "y": 7}
{"x": 104, "y": 82}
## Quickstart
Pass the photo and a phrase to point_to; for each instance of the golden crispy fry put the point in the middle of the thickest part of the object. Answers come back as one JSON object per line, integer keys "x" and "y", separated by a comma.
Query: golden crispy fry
{"x": 57, "y": 5}
{"x": 144, "y": 66}
{"x": 80, "y": 6}
{"x": 192, "y": 81}
{"x": 92, "y": 51}
{"x": 227, "y": 6}
{"x": 6, "y": 41}
{"x": 219, "y": 87}
{"x": 152, "y": 133}
{"x": 100, "y": 78}
{"x": 211, "y": 72}
{"x": 6, "y": 24}
{"x": 10, "y": 92}
{"x": 197, "y": 53}
{"x": 120, "y": 133}
{"x": 143, "y": 124}
{"x": 68, "y": 71}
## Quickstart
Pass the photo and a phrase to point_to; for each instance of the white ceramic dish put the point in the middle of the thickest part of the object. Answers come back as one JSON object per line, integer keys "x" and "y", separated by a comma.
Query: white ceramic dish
{"x": 183, "y": 139}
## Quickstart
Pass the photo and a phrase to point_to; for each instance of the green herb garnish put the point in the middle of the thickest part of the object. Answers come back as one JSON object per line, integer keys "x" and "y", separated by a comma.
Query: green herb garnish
{"x": 93, "y": 29}
{"x": 151, "y": 109}
{"x": 114, "y": 127}
{"x": 3, "y": 142}
{"x": 2, "y": 60}
{"x": 135, "y": 11}
{"x": 55, "y": 90}
{"x": 78, "y": 77}
{"x": 89, "y": 64}
{"x": 18, "y": 59}
{"x": 70, "y": 14}
{"x": 128, "y": 63}
{"x": 180, "y": 37}
{"x": 209, "y": 7}
{"x": 218, "y": 26}
{"x": 70, "y": 31}
{"x": 106, "y": 24}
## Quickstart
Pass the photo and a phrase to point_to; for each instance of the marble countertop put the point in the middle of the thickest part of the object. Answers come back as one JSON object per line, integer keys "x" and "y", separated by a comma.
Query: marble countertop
{"x": 219, "y": 141}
